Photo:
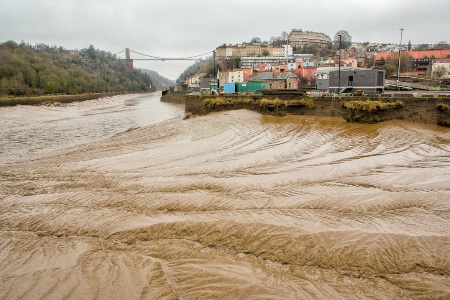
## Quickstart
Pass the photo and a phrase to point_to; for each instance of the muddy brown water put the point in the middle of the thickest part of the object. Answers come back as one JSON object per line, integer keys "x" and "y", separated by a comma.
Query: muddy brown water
{"x": 31, "y": 130}
{"x": 232, "y": 205}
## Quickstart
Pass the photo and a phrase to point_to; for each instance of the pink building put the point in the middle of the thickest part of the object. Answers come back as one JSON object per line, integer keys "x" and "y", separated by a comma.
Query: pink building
{"x": 306, "y": 72}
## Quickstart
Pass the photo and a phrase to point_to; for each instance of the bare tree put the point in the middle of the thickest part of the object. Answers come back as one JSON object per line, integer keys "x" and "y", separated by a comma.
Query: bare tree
{"x": 345, "y": 40}
{"x": 255, "y": 40}
{"x": 439, "y": 72}
{"x": 442, "y": 45}
{"x": 277, "y": 41}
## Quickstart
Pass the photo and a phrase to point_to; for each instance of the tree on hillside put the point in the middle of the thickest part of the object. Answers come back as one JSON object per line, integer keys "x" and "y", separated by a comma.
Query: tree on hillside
{"x": 35, "y": 70}
{"x": 315, "y": 49}
{"x": 370, "y": 62}
{"x": 277, "y": 41}
{"x": 91, "y": 51}
{"x": 439, "y": 72}
{"x": 284, "y": 35}
{"x": 442, "y": 45}
{"x": 422, "y": 47}
{"x": 391, "y": 64}
{"x": 345, "y": 40}
{"x": 255, "y": 40}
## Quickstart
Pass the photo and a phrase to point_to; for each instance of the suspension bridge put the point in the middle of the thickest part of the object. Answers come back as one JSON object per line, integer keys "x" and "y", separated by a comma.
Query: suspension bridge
{"x": 143, "y": 56}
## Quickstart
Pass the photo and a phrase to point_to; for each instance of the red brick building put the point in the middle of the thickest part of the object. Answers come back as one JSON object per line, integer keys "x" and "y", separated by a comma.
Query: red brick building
{"x": 420, "y": 61}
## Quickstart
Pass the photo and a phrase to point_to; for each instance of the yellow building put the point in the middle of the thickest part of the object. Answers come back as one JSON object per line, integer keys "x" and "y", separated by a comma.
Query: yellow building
{"x": 248, "y": 49}
{"x": 298, "y": 38}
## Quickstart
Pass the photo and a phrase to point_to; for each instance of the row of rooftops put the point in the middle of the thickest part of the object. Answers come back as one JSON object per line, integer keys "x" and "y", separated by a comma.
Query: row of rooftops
{"x": 417, "y": 55}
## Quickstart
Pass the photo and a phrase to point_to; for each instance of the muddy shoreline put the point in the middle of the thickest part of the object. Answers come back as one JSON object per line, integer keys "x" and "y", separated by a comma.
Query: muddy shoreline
{"x": 52, "y": 99}
{"x": 233, "y": 205}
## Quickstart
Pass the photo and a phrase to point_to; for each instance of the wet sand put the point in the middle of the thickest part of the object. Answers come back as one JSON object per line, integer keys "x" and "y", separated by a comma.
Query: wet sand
{"x": 233, "y": 205}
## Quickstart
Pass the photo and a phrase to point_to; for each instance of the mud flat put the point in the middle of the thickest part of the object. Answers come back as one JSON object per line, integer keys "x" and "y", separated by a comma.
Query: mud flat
{"x": 233, "y": 205}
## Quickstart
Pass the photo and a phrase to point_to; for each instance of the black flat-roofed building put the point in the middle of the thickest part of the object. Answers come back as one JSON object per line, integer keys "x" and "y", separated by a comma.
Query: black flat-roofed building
{"x": 371, "y": 81}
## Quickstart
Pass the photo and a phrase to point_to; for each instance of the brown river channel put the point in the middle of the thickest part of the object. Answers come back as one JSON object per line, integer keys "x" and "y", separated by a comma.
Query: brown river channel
{"x": 121, "y": 198}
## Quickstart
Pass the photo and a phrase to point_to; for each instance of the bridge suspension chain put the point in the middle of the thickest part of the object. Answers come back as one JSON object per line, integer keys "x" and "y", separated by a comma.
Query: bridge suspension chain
{"x": 151, "y": 57}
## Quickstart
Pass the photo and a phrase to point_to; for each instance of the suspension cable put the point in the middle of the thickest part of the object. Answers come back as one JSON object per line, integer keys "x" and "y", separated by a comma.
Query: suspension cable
{"x": 167, "y": 58}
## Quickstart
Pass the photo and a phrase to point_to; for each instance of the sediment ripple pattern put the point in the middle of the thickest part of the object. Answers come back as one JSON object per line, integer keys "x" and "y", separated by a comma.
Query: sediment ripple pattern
{"x": 233, "y": 205}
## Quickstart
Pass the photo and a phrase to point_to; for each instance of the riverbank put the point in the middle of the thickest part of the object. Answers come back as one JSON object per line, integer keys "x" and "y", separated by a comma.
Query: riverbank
{"x": 52, "y": 99}
{"x": 427, "y": 110}
{"x": 174, "y": 97}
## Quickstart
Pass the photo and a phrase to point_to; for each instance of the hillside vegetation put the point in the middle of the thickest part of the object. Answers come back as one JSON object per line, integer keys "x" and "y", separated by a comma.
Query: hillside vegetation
{"x": 200, "y": 66}
{"x": 160, "y": 82}
{"x": 27, "y": 70}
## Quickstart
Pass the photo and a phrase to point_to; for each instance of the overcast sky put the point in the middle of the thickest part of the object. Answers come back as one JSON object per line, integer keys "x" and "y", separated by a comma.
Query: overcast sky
{"x": 181, "y": 28}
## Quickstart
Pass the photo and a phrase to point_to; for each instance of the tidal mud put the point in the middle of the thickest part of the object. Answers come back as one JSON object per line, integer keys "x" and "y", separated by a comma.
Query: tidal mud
{"x": 232, "y": 205}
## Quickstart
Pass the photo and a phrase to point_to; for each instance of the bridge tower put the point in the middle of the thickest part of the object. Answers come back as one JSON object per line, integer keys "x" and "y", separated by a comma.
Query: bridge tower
{"x": 128, "y": 60}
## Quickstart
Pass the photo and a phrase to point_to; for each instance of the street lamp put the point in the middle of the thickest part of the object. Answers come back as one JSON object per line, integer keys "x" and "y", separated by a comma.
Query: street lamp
{"x": 339, "y": 67}
{"x": 215, "y": 73}
{"x": 399, "y": 49}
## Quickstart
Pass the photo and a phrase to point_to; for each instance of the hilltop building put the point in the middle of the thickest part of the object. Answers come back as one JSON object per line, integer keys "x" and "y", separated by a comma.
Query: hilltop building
{"x": 251, "y": 50}
{"x": 299, "y": 38}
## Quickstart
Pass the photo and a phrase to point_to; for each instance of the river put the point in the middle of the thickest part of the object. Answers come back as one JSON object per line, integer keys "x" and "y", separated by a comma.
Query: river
{"x": 31, "y": 130}
{"x": 231, "y": 205}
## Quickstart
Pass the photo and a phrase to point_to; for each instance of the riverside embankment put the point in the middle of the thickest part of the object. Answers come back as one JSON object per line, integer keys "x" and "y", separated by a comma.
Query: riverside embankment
{"x": 426, "y": 109}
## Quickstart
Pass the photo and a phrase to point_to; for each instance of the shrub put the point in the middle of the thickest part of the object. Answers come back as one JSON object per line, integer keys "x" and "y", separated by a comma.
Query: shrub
{"x": 444, "y": 122}
{"x": 374, "y": 119}
{"x": 267, "y": 102}
{"x": 369, "y": 105}
{"x": 442, "y": 107}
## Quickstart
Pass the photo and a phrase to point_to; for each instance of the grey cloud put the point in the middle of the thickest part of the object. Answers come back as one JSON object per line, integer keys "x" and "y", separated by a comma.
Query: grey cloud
{"x": 176, "y": 28}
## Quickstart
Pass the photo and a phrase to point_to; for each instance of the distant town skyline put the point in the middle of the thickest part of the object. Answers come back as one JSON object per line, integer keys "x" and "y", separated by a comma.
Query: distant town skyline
{"x": 186, "y": 28}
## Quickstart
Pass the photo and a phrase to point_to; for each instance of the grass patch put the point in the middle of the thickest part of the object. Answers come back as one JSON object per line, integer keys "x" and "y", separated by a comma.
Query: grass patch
{"x": 305, "y": 102}
{"x": 214, "y": 102}
{"x": 241, "y": 100}
{"x": 370, "y": 105}
{"x": 221, "y": 101}
{"x": 268, "y": 102}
